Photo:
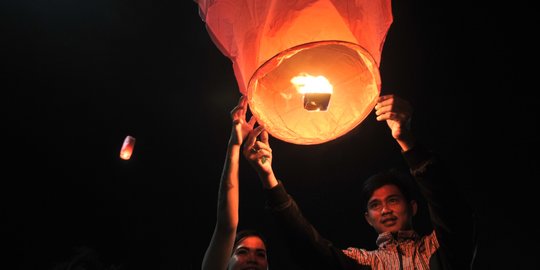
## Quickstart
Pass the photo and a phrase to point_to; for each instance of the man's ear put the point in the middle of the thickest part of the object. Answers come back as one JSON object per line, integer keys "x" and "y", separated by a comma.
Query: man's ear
{"x": 366, "y": 216}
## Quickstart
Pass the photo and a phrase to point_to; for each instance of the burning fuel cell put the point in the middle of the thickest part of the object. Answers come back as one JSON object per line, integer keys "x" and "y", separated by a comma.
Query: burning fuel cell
{"x": 316, "y": 91}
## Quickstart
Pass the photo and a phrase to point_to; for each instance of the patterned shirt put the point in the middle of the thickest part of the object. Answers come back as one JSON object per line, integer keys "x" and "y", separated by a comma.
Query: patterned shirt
{"x": 404, "y": 250}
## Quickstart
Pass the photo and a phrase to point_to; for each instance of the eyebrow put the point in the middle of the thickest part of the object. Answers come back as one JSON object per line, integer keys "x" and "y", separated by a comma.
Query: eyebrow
{"x": 248, "y": 248}
{"x": 387, "y": 197}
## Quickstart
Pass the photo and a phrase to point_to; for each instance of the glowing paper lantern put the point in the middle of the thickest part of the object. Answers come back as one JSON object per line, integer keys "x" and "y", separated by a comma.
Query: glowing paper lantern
{"x": 127, "y": 148}
{"x": 310, "y": 68}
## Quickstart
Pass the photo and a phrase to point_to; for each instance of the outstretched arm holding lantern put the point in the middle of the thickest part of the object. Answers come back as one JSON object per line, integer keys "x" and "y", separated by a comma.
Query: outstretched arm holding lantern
{"x": 220, "y": 253}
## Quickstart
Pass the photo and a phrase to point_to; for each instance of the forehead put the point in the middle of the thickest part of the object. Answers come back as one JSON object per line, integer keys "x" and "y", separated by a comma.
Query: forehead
{"x": 385, "y": 191}
{"x": 251, "y": 242}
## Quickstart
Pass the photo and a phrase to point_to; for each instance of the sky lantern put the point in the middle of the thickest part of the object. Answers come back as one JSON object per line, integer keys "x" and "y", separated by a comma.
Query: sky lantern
{"x": 310, "y": 68}
{"x": 127, "y": 148}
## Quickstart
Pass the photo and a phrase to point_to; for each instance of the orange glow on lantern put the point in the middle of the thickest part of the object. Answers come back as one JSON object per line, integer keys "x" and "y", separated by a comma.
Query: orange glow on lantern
{"x": 287, "y": 54}
{"x": 127, "y": 148}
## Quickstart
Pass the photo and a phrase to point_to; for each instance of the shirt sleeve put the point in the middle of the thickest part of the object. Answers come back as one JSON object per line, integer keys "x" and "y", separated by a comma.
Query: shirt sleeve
{"x": 450, "y": 213}
{"x": 311, "y": 249}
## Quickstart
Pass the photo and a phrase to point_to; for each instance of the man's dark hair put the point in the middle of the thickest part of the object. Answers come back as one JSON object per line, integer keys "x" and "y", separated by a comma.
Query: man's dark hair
{"x": 246, "y": 233}
{"x": 390, "y": 177}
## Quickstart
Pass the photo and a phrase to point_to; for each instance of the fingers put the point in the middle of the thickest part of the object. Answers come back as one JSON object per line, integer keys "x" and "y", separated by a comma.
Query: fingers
{"x": 394, "y": 105}
{"x": 384, "y": 101}
{"x": 261, "y": 151}
{"x": 393, "y": 101}
{"x": 243, "y": 101}
{"x": 259, "y": 145}
{"x": 383, "y": 108}
{"x": 385, "y": 98}
{"x": 264, "y": 137}
{"x": 399, "y": 117}
{"x": 252, "y": 121}
{"x": 258, "y": 149}
{"x": 235, "y": 111}
{"x": 252, "y": 137}
{"x": 239, "y": 111}
{"x": 236, "y": 122}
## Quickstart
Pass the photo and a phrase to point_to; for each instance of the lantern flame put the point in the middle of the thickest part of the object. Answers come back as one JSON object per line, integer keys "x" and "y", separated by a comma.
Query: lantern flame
{"x": 315, "y": 90}
{"x": 306, "y": 83}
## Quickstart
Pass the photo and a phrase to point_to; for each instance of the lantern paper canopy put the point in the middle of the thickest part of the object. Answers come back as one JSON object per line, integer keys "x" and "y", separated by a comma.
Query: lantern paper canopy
{"x": 310, "y": 69}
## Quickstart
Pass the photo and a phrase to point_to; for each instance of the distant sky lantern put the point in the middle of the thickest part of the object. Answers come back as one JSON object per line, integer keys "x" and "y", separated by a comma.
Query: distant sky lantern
{"x": 310, "y": 68}
{"x": 127, "y": 148}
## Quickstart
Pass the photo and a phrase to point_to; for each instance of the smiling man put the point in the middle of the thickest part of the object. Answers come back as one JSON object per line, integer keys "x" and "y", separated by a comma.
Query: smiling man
{"x": 391, "y": 206}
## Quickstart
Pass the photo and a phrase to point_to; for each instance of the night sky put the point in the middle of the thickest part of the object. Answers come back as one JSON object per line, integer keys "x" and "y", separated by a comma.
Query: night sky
{"x": 79, "y": 76}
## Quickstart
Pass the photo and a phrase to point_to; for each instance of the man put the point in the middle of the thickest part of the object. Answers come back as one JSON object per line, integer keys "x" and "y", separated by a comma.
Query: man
{"x": 389, "y": 208}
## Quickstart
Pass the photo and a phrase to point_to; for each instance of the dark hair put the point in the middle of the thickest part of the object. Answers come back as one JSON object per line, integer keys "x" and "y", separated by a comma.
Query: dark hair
{"x": 246, "y": 233}
{"x": 390, "y": 177}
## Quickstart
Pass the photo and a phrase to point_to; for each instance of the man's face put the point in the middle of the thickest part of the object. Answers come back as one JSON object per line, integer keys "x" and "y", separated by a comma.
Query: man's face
{"x": 250, "y": 254}
{"x": 389, "y": 211}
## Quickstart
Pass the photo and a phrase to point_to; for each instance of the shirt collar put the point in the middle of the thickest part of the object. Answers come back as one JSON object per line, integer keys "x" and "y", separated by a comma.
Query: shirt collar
{"x": 386, "y": 238}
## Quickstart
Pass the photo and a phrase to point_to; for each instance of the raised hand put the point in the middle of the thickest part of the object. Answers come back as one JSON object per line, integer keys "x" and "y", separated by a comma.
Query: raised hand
{"x": 241, "y": 127}
{"x": 397, "y": 113}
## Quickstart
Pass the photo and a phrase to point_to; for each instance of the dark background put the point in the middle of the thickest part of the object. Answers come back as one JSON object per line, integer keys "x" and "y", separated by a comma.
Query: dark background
{"x": 79, "y": 76}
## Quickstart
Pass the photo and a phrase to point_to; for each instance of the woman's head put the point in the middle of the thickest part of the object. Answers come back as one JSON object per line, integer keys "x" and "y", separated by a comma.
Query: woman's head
{"x": 249, "y": 251}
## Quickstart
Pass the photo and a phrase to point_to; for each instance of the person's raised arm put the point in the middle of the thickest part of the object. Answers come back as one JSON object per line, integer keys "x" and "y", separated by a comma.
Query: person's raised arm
{"x": 220, "y": 248}
{"x": 311, "y": 250}
{"x": 450, "y": 214}
{"x": 259, "y": 155}
{"x": 397, "y": 113}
